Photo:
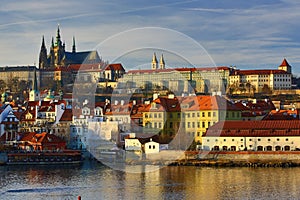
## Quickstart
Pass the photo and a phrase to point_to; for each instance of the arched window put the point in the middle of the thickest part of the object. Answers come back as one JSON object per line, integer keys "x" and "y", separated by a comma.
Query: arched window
{"x": 287, "y": 148}
{"x": 260, "y": 148}
{"x": 269, "y": 148}
{"x": 278, "y": 148}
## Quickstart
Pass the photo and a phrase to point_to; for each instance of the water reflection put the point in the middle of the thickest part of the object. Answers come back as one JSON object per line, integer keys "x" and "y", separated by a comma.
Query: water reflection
{"x": 95, "y": 181}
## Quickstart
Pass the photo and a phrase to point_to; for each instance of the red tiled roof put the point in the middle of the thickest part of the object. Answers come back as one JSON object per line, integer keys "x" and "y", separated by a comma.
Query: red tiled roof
{"x": 67, "y": 115}
{"x": 115, "y": 66}
{"x": 282, "y": 115}
{"x": 178, "y": 69}
{"x": 255, "y": 128}
{"x": 284, "y": 63}
{"x": 259, "y": 71}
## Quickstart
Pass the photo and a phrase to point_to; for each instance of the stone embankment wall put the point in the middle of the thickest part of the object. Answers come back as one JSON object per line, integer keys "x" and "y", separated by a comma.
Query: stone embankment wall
{"x": 243, "y": 159}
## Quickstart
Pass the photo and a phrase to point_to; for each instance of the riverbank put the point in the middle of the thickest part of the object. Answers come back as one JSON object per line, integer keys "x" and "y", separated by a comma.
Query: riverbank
{"x": 240, "y": 159}
{"x": 225, "y": 159}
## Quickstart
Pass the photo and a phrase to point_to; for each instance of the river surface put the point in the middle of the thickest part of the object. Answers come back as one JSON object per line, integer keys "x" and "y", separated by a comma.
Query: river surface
{"x": 95, "y": 181}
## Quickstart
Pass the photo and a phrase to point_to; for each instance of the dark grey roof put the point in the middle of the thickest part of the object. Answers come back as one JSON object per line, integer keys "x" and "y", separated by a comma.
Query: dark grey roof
{"x": 82, "y": 57}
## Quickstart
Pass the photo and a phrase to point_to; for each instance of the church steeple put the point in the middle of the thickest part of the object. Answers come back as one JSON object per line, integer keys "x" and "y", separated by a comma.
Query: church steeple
{"x": 34, "y": 94}
{"x": 43, "y": 62}
{"x": 74, "y": 46}
{"x": 58, "y": 41}
{"x": 162, "y": 62}
{"x": 154, "y": 61}
{"x": 43, "y": 43}
{"x": 52, "y": 43}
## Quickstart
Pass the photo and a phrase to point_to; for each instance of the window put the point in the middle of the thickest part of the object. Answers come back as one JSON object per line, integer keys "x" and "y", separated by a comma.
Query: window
{"x": 203, "y": 114}
{"x": 258, "y": 139}
{"x": 242, "y": 139}
{"x": 209, "y": 114}
{"x": 250, "y": 139}
{"x": 214, "y": 114}
{"x": 207, "y": 140}
{"x": 278, "y": 139}
{"x": 286, "y": 139}
{"x": 203, "y": 124}
{"x": 269, "y": 140}
{"x": 224, "y": 140}
{"x": 232, "y": 140}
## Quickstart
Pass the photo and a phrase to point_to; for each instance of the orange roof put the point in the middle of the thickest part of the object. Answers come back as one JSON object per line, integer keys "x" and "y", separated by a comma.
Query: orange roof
{"x": 283, "y": 115}
{"x": 44, "y": 137}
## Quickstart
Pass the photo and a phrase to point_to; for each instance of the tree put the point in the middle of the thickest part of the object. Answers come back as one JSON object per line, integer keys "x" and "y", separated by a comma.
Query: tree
{"x": 2, "y": 85}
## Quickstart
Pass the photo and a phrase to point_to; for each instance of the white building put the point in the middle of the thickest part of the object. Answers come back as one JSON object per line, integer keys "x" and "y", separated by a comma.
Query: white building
{"x": 276, "y": 79}
{"x": 269, "y": 135}
{"x": 151, "y": 147}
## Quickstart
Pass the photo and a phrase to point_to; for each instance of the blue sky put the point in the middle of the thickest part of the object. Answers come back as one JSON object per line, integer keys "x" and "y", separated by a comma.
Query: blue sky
{"x": 248, "y": 34}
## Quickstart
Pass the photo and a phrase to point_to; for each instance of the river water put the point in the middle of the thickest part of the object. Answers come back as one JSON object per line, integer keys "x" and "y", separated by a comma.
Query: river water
{"x": 95, "y": 181}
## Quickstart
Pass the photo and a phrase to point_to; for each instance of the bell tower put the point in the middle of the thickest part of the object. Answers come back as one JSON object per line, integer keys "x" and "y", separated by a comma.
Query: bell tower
{"x": 154, "y": 62}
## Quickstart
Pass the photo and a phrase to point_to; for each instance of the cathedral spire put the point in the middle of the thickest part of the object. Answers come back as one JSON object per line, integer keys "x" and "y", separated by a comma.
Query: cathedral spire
{"x": 154, "y": 61}
{"x": 43, "y": 63}
{"x": 43, "y": 43}
{"x": 52, "y": 43}
{"x": 162, "y": 62}
{"x": 58, "y": 41}
{"x": 74, "y": 46}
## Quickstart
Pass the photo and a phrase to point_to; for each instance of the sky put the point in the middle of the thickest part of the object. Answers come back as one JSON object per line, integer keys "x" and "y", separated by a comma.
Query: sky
{"x": 255, "y": 34}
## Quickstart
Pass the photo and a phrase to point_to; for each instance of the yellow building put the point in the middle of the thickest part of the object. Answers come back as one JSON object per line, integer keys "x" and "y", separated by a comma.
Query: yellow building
{"x": 192, "y": 115}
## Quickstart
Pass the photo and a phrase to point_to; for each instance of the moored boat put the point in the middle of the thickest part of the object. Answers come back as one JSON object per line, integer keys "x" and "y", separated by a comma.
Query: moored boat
{"x": 44, "y": 157}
